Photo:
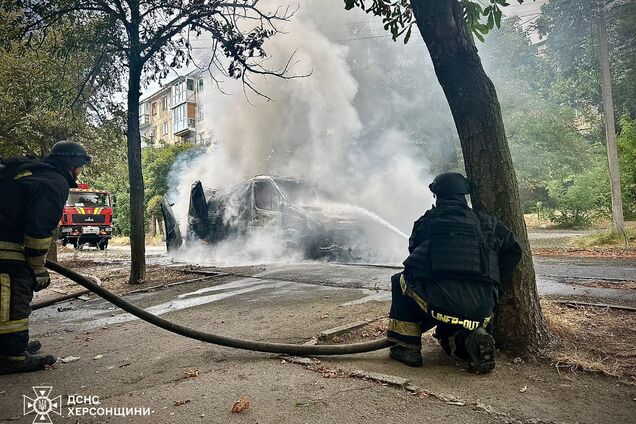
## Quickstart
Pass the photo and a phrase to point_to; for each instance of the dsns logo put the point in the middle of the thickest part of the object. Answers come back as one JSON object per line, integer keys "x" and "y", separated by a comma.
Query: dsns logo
{"x": 42, "y": 405}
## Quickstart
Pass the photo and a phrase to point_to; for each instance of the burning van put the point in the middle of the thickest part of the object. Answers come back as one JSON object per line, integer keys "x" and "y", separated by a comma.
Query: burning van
{"x": 298, "y": 212}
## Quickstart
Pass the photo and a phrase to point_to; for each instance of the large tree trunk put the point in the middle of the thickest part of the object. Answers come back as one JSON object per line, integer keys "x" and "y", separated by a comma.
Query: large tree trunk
{"x": 519, "y": 325}
{"x": 137, "y": 230}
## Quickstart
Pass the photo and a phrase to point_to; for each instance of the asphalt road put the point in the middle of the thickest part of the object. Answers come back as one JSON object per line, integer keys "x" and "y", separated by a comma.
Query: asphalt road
{"x": 560, "y": 277}
{"x": 127, "y": 363}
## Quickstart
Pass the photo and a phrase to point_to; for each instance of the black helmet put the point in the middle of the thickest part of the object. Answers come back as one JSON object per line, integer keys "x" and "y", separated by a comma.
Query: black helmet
{"x": 70, "y": 153}
{"x": 450, "y": 183}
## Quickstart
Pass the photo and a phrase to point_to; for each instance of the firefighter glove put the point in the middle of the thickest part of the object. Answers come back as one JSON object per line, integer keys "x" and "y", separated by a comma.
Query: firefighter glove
{"x": 42, "y": 280}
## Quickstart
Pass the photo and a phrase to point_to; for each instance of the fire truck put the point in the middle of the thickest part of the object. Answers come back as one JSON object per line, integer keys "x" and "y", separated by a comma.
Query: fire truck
{"x": 87, "y": 218}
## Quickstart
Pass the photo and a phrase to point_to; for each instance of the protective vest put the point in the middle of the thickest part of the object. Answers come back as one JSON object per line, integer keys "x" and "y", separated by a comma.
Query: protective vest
{"x": 32, "y": 197}
{"x": 11, "y": 215}
{"x": 454, "y": 247}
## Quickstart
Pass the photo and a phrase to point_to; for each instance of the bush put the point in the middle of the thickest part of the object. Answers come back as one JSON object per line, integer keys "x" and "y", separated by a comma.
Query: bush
{"x": 121, "y": 213}
{"x": 578, "y": 199}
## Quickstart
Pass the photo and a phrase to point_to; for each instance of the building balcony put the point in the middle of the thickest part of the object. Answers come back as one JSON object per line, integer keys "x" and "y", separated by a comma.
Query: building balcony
{"x": 184, "y": 127}
{"x": 144, "y": 120}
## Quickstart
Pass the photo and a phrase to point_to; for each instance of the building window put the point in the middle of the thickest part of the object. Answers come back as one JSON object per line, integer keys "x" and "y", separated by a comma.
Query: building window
{"x": 200, "y": 111}
{"x": 154, "y": 108}
{"x": 165, "y": 128}
{"x": 164, "y": 103}
{"x": 178, "y": 94}
{"x": 200, "y": 84}
{"x": 190, "y": 83}
{"x": 180, "y": 118}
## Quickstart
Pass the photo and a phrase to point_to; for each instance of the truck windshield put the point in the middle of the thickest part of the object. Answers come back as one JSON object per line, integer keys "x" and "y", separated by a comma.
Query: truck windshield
{"x": 88, "y": 200}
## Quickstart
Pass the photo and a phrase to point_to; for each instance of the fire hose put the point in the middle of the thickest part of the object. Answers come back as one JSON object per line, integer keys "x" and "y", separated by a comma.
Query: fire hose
{"x": 290, "y": 349}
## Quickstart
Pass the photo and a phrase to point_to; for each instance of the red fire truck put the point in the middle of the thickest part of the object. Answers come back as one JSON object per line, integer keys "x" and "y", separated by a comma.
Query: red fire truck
{"x": 87, "y": 218}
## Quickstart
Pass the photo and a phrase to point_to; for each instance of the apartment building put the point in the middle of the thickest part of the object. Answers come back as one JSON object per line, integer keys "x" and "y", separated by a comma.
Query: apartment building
{"x": 171, "y": 114}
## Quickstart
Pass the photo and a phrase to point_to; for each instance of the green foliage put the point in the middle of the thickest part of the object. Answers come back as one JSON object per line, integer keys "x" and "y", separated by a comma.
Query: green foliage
{"x": 545, "y": 147}
{"x": 577, "y": 199}
{"x": 156, "y": 164}
{"x": 626, "y": 142}
{"x": 121, "y": 213}
{"x": 572, "y": 51}
{"x": 397, "y": 15}
{"x": 59, "y": 90}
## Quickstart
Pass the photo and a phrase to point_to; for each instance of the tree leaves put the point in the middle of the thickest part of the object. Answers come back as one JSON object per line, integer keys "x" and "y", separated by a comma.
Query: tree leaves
{"x": 397, "y": 15}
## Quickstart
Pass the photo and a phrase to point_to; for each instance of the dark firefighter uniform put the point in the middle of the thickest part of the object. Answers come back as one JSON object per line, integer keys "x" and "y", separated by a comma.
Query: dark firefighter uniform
{"x": 32, "y": 198}
{"x": 451, "y": 279}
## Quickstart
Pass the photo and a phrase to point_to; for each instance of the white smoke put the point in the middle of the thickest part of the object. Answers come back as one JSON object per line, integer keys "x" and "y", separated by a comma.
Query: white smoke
{"x": 310, "y": 130}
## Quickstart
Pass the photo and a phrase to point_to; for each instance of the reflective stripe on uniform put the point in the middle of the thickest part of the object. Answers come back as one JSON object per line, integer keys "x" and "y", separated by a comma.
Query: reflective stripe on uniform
{"x": 19, "y": 175}
{"x": 17, "y": 358}
{"x": 410, "y": 293}
{"x": 11, "y": 256}
{"x": 14, "y": 326}
{"x": 5, "y": 297}
{"x": 37, "y": 243}
{"x": 15, "y": 247}
{"x": 405, "y": 328}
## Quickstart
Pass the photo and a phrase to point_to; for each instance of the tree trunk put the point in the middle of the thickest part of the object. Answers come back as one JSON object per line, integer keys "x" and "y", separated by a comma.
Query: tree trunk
{"x": 519, "y": 326}
{"x": 137, "y": 230}
{"x": 608, "y": 115}
{"x": 153, "y": 226}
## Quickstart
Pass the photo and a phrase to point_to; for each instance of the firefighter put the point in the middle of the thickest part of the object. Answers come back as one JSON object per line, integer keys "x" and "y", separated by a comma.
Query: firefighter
{"x": 451, "y": 279}
{"x": 32, "y": 198}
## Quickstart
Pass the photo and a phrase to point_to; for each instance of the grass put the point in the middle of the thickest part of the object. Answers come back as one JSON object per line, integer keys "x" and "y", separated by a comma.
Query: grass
{"x": 608, "y": 238}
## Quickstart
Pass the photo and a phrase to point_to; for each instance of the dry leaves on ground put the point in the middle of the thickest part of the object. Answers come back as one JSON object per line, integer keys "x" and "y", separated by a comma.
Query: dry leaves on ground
{"x": 592, "y": 339}
{"x": 585, "y": 252}
{"x": 191, "y": 373}
{"x": 241, "y": 405}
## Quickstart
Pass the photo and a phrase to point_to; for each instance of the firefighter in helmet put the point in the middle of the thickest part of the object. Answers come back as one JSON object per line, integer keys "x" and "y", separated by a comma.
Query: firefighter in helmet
{"x": 32, "y": 198}
{"x": 451, "y": 279}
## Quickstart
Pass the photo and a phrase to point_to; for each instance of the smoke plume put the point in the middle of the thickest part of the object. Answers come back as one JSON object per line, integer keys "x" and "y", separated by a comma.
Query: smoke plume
{"x": 361, "y": 126}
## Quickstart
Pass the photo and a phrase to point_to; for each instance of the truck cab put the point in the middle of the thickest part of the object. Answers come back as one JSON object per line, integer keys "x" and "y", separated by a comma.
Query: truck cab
{"x": 87, "y": 218}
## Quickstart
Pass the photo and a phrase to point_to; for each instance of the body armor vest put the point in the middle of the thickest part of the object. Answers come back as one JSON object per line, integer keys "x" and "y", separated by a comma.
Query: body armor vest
{"x": 454, "y": 248}
{"x": 11, "y": 207}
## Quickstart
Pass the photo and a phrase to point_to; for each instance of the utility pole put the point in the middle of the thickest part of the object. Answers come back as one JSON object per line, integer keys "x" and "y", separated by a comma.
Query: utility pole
{"x": 608, "y": 114}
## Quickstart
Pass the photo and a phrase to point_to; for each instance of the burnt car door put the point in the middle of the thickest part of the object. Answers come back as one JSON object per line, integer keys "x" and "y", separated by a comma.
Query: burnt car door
{"x": 268, "y": 204}
{"x": 173, "y": 234}
{"x": 198, "y": 219}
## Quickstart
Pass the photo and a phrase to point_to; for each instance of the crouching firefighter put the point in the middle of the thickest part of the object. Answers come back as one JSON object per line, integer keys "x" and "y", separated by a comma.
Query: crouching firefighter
{"x": 32, "y": 198}
{"x": 451, "y": 279}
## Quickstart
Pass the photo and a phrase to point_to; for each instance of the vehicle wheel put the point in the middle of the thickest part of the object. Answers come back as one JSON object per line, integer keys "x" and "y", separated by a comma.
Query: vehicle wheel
{"x": 102, "y": 244}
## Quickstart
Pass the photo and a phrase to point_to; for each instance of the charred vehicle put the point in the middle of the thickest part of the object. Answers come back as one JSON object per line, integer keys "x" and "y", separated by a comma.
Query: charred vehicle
{"x": 285, "y": 205}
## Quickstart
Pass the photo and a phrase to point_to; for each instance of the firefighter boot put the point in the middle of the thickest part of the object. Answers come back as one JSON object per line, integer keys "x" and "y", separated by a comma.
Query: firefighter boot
{"x": 407, "y": 355}
{"x": 24, "y": 363}
{"x": 33, "y": 347}
{"x": 480, "y": 347}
